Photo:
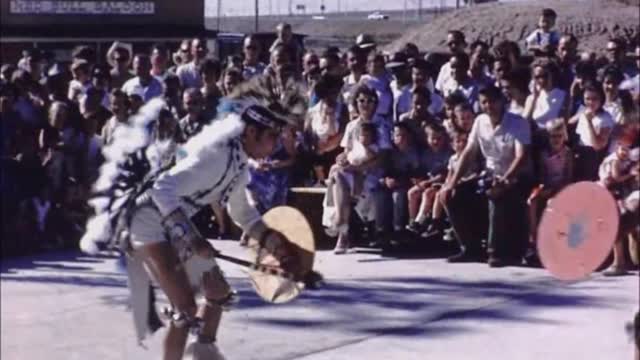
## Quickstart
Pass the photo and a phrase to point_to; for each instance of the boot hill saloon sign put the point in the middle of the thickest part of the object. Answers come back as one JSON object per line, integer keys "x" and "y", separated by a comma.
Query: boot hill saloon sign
{"x": 34, "y": 7}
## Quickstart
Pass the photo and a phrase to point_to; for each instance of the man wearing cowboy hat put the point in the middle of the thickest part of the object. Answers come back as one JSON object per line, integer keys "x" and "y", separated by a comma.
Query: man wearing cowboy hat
{"x": 366, "y": 43}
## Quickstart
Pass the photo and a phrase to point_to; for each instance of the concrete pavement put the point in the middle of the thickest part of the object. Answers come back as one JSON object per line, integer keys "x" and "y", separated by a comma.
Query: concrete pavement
{"x": 70, "y": 306}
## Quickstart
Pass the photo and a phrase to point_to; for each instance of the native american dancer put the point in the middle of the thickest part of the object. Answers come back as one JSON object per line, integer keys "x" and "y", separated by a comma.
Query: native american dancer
{"x": 145, "y": 202}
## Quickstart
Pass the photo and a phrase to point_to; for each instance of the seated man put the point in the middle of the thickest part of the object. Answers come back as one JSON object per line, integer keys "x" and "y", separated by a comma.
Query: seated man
{"x": 502, "y": 138}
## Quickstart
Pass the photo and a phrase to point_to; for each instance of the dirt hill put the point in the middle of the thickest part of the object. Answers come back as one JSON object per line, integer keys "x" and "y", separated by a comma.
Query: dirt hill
{"x": 593, "y": 22}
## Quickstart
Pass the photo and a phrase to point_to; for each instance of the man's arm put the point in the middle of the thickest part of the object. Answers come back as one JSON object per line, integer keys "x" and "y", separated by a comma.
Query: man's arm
{"x": 468, "y": 155}
{"x": 521, "y": 151}
{"x": 244, "y": 214}
{"x": 522, "y": 141}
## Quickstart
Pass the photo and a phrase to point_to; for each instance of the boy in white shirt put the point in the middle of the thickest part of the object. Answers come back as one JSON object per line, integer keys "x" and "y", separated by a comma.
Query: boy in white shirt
{"x": 544, "y": 39}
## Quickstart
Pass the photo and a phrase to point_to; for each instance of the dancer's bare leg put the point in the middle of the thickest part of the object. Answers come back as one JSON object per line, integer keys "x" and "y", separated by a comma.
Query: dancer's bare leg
{"x": 214, "y": 287}
{"x": 166, "y": 268}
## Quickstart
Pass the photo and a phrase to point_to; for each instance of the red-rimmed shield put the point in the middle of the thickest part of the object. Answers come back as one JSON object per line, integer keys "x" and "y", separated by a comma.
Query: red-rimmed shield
{"x": 577, "y": 230}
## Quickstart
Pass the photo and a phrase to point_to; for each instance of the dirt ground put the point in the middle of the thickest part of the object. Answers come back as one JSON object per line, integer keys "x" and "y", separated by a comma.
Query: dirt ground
{"x": 593, "y": 21}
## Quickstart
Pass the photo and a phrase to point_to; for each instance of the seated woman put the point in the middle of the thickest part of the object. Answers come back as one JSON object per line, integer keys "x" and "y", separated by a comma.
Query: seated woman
{"x": 325, "y": 125}
{"x": 338, "y": 199}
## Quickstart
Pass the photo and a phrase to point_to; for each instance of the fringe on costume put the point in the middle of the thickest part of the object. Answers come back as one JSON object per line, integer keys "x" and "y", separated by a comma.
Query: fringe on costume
{"x": 128, "y": 138}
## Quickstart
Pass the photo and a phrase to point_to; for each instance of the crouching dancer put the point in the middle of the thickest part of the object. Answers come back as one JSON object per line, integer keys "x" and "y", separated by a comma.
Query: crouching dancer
{"x": 153, "y": 226}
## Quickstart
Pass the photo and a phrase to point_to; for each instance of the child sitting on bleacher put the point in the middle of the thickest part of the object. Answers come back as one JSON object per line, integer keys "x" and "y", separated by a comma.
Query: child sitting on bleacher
{"x": 556, "y": 172}
{"x": 463, "y": 117}
{"x": 432, "y": 211}
{"x": 400, "y": 166}
{"x": 450, "y": 104}
{"x": 434, "y": 166}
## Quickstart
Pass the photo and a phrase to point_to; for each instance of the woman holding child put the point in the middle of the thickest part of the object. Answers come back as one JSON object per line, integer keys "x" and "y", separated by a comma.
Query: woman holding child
{"x": 342, "y": 189}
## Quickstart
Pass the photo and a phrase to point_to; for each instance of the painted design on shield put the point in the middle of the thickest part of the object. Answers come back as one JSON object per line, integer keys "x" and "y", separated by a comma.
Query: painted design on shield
{"x": 577, "y": 231}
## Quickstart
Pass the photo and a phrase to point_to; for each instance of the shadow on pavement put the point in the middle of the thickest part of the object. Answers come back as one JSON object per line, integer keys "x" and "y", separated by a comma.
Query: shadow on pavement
{"x": 418, "y": 305}
{"x": 52, "y": 260}
{"x": 401, "y": 305}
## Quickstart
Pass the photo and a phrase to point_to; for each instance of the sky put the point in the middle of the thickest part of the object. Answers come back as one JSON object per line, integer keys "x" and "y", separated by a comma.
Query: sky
{"x": 280, "y": 7}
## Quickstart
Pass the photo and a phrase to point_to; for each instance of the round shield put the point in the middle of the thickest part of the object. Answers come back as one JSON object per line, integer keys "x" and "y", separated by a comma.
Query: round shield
{"x": 295, "y": 227}
{"x": 577, "y": 230}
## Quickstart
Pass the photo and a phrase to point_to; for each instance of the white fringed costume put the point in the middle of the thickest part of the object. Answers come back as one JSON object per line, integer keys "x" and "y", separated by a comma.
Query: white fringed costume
{"x": 213, "y": 171}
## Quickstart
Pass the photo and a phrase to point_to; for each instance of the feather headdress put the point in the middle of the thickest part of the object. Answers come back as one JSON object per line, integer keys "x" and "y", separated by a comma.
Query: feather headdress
{"x": 129, "y": 139}
{"x": 288, "y": 105}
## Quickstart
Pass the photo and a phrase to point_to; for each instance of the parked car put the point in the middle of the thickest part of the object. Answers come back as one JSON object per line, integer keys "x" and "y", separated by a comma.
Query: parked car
{"x": 378, "y": 16}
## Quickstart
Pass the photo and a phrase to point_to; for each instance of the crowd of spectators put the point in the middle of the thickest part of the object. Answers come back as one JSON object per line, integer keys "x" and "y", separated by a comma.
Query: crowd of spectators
{"x": 468, "y": 149}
